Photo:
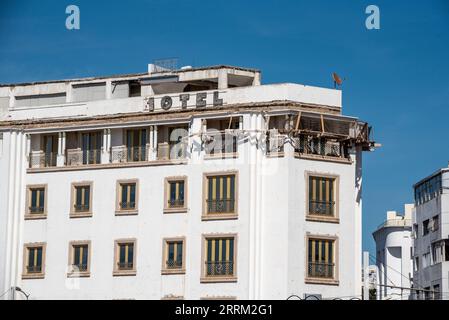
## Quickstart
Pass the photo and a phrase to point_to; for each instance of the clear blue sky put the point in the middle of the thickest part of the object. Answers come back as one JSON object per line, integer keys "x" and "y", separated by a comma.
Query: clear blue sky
{"x": 397, "y": 77}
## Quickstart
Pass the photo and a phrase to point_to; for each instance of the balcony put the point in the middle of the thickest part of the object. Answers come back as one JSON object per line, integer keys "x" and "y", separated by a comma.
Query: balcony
{"x": 171, "y": 151}
{"x": 321, "y": 270}
{"x": 321, "y": 148}
{"x": 41, "y": 159}
{"x": 219, "y": 268}
{"x": 77, "y": 157}
{"x": 220, "y": 144}
{"x": 275, "y": 145}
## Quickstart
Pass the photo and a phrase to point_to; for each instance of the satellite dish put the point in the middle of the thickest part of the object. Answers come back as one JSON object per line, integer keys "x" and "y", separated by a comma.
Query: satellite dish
{"x": 337, "y": 80}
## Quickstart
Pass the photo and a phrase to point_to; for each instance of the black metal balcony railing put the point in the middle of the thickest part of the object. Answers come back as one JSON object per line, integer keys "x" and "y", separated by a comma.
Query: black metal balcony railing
{"x": 174, "y": 264}
{"x": 92, "y": 156}
{"x": 36, "y": 210}
{"x": 127, "y": 205}
{"x": 125, "y": 265}
{"x": 220, "y": 206}
{"x": 321, "y": 270}
{"x": 79, "y": 267}
{"x": 136, "y": 153}
{"x": 176, "y": 203}
{"x": 81, "y": 207}
{"x": 325, "y": 208}
{"x": 34, "y": 269}
{"x": 219, "y": 268}
{"x": 221, "y": 143}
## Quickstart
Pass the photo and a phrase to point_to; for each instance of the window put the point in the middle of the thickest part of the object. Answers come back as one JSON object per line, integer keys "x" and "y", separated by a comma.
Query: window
{"x": 49, "y": 146}
{"x": 321, "y": 256}
{"x": 415, "y": 231}
{"x": 426, "y": 260}
{"x": 91, "y": 147}
{"x": 435, "y": 223}
{"x": 81, "y": 200}
{"x": 425, "y": 227}
{"x": 322, "y": 195}
{"x": 173, "y": 256}
{"x": 79, "y": 259}
{"x": 219, "y": 258}
{"x": 136, "y": 144}
{"x": 427, "y": 190}
{"x": 220, "y": 196}
{"x": 416, "y": 264}
{"x": 175, "y": 194}
{"x": 427, "y": 293}
{"x": 125, "y": 257}
{"x": 36, "y": 199}
{"x": 127, "y": 197}
{"x": 34, "y": 261}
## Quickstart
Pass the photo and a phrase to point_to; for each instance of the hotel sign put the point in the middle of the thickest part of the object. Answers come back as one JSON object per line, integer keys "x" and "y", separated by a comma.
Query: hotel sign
{"x": 184, "y": 101}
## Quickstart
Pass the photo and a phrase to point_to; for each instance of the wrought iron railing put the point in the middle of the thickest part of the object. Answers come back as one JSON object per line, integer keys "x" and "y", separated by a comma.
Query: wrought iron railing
{"x": 221, "y": 206}
{"x": 125, "y": 265}
{"x": 176, "y": 203}
{"x": 219, "y": 268}
{"x": 325, "y": 208}
{"x": 36, "y": 210}
{"x": 79, "y": 267}
{"x": 174, "y": 264}
{"x": 34, "y": 269}
{"x": 127, "y": 205}
{"x": 82, "y": 207}
{"x": 321, "y": 270}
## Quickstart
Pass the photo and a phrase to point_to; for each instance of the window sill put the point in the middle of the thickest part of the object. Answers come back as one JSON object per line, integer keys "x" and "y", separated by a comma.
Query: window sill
{"x": 173, "y": 271}
{"x": 331, "y": 282}
{"x": 33, "y": 276}
{"x": 119, "y": 273}
{"x": 219, "y": 216}
{"x": 316, "y": 218}
{"x": 322, "y": 158}
{"x": 218, "y": 279}
{"x": 35, "y": 216}
{"x": 126, "y": 212}
{"x": 175, "y": 210}
{"x": 221, "y": 156}
{"x": 85, "y": 274}
{"x": 75, "y": 215}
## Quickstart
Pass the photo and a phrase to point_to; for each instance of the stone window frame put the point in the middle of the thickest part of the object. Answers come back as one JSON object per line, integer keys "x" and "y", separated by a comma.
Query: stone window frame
{"x": 124, "y": 212}
{"x": 73, "y": 212}
{"x": 167, "y": 181}
{"x": 319, "y": 218}
{"x": 26, "y": 247}
{"x": 220, "y": 216}
{"x": 75, "y": 274}
{"x": 164, "y": 269}
{"x": 116, "y": 270}
{"x": 34, "y": 216}
{"x": 323, "y": 281}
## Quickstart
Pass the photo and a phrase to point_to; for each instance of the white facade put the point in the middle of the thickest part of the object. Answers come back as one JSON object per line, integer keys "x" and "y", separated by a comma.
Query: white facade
{"x": 431, "y": 234}
{"x": 271, "y": 225}
{"x": 393, "y": 255}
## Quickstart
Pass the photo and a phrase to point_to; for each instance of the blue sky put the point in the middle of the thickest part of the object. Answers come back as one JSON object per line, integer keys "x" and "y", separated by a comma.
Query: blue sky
{"x": 397, "y": 78}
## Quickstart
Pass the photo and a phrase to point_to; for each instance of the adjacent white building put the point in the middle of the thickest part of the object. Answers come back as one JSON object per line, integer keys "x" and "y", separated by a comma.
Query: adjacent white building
{"x": 394, "y": 255}
{"x": 431, "y": 236}
{"x": 197, "y": 183}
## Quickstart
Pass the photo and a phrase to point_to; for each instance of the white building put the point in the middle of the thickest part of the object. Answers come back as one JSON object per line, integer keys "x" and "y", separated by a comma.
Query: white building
{"x": 393, "y": 255}
{"x": 119, "y": 187}
{"x": 431, "y": 236}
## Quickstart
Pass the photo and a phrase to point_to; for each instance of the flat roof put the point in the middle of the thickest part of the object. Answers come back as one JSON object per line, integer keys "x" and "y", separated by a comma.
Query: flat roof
{"x": 129, "y": 75}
